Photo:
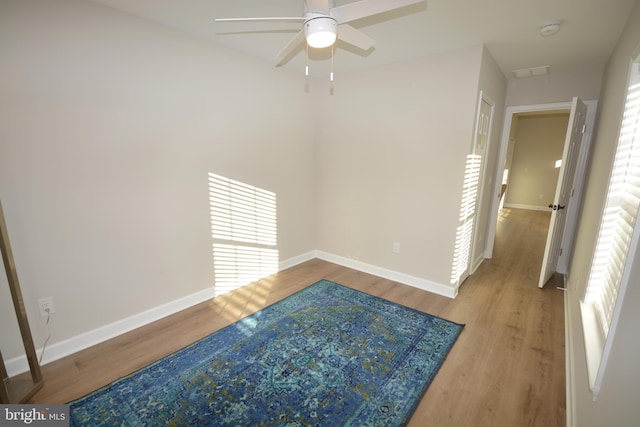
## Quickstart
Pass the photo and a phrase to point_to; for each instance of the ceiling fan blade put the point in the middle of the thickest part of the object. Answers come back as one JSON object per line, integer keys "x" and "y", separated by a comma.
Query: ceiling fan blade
{"x": 275, "y": 18}
{"x": 363, "y": 8}
{"x": 290, "y": 48}
{"x": 354, "y": 37}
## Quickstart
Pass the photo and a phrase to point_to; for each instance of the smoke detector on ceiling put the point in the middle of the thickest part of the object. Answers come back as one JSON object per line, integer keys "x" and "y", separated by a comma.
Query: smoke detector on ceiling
{"x": 549, "y": 28}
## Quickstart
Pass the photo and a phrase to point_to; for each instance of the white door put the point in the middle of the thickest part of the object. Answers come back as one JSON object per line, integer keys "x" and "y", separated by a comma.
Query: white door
{"x": 481, "y": 144}
{"x": 467, "y": 239}
{"x": 564, "y": 190}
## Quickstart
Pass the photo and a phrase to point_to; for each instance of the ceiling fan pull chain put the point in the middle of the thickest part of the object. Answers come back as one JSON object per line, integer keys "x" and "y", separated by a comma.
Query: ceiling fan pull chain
{"x": 331, "y": 75}
{"x": 306, "y": 65}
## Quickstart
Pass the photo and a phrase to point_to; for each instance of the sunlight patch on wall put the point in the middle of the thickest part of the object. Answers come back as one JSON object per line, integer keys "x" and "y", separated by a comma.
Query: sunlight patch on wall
{"x": 244, "y": 232}
{"x": 462, "y": 250}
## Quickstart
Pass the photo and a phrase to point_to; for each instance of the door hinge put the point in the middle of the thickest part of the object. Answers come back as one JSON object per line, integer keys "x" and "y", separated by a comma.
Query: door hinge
{"x": 560, "y": 252}
{"x": 584, "y": 128}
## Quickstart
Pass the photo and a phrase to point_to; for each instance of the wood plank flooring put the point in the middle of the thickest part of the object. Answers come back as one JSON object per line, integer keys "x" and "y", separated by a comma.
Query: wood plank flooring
{"x": 506, "y": 369}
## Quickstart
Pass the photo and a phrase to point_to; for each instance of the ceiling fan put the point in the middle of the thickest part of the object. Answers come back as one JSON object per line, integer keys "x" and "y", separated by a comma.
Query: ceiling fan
{"x": 323, "y": 23}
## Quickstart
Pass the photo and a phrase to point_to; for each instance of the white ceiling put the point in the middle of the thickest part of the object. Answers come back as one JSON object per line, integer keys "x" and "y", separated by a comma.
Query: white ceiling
{"x": 509, "y": 29}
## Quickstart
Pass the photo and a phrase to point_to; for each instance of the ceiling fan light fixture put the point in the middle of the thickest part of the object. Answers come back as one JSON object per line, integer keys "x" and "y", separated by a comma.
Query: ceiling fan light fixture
{"x": 321, "y": 32}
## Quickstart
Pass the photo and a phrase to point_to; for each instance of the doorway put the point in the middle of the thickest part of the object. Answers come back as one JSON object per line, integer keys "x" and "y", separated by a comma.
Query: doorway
{"x": 532, "y": 199}
{"x": 533, "y": 159}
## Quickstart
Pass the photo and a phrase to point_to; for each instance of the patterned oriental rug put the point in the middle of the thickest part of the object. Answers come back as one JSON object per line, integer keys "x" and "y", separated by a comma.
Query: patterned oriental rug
{"x": 327, "y": 355}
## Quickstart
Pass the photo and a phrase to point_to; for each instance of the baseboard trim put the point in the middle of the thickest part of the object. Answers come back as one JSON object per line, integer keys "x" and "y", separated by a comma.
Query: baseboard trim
{"x": 570, "y": 385}
{"x": 528, "y": 207}
{"x": 416, "y": 282}
{"x": 85, "y": 340}
{"x": 299, "y": 259}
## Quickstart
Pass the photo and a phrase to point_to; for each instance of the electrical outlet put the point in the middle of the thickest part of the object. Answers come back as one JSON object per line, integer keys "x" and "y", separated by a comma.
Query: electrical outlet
{"x": 46, "y": 306}
{"x": 396, "y": 247}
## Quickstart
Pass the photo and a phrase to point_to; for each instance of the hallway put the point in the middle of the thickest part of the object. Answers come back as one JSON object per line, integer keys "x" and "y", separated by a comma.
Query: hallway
{"x": 520, "y": 329}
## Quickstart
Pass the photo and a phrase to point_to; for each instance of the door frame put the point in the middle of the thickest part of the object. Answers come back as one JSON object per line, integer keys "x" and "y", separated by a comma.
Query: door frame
{"x": 572, "y": 214}
{"x": 476, "y": 254}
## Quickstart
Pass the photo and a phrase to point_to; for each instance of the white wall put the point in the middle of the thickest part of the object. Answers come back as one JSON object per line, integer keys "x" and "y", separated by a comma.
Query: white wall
{"x": 392, "y": 146}
{"x": 618, "y": 402}
{"x": 109, "y": 125}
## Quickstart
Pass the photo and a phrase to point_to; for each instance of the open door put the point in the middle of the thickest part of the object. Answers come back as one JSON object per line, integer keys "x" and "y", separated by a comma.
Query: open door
{"x": 564, "y": 190}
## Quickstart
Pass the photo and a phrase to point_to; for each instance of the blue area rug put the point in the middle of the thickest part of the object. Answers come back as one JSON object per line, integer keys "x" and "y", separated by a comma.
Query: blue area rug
{"x": 325, "y": 356}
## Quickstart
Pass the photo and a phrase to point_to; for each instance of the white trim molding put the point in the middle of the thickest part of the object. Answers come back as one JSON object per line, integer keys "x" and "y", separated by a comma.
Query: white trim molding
{"x": 90, "y": 338}
{"x": 527, "y": 207}
{"x": 570, "y": 375}
{"x": 416, "y": 282}
{"x": 298, "y": 259}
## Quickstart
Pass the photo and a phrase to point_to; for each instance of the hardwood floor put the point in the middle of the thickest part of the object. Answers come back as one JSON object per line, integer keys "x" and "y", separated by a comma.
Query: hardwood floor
{"x": 506, "y": 369}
